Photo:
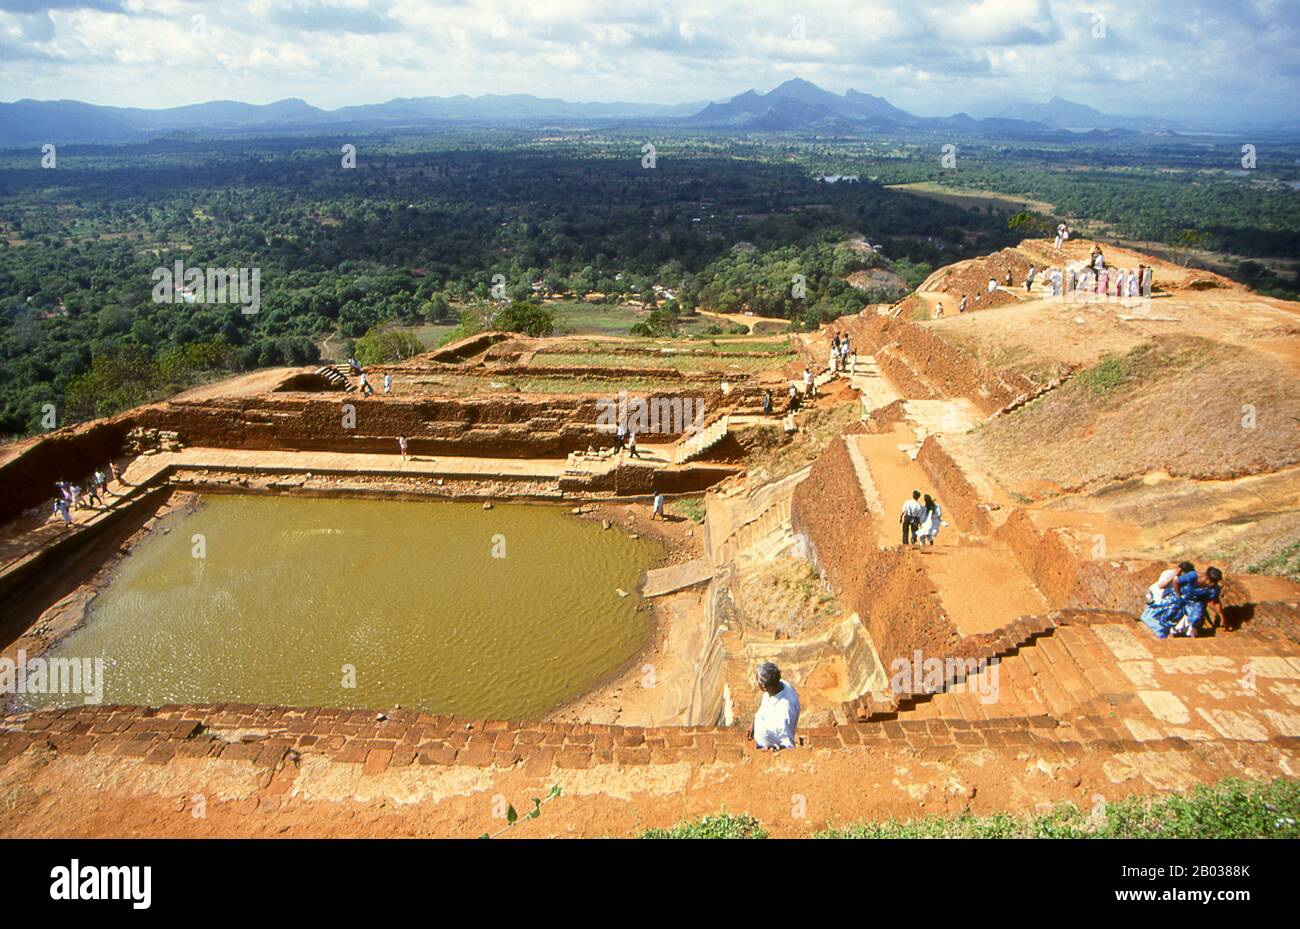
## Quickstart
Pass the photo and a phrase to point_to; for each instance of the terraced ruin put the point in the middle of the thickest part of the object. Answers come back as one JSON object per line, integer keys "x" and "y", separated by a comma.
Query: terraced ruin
{"x": 1077, "y": 447}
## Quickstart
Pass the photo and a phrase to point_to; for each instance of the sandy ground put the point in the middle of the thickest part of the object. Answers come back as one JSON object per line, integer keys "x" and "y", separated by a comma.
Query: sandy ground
{"x": 793, "y": 793}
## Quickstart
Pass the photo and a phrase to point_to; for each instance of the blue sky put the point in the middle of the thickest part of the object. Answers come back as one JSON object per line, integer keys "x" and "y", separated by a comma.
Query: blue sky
{"x": 1223, "y": 60}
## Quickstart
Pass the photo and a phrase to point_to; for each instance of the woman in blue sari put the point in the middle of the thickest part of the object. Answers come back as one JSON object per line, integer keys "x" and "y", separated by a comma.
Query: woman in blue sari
{"x": 1185, "y": 604}
{"x": 1200, "y": 600}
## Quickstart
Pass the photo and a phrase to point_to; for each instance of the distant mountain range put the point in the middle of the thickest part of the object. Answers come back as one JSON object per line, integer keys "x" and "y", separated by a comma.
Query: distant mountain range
{"x": 794, "y": 106}
{"x": 800, "y": 105}
{"x": 1059, "y": 113}
{"x": 40, "y": 121}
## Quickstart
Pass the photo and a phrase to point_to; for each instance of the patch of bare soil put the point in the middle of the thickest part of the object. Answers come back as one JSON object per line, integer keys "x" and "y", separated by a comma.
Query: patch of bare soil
{"x": 1039, "y": 338}
{"x": 1183, "y": 406}
{"x": 786, "y": 597}
{"x": 971, "y": 279}
{"x": 835, "y": 411}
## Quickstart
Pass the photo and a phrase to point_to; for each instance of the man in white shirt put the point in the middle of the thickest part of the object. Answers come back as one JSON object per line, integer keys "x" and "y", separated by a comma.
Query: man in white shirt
{"x": 777, "y": 715}
{"x": 913, "y": 513}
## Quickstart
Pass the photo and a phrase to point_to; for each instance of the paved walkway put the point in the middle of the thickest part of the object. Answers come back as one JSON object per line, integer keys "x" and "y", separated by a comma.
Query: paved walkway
{"x": 27, "y": 536}
{"x": 227, "y": 459}
{"x": 1226, "y": 687}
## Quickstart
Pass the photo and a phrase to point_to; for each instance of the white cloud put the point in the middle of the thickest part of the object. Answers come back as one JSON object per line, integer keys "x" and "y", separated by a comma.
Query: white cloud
{"x": 1157, "y": 56}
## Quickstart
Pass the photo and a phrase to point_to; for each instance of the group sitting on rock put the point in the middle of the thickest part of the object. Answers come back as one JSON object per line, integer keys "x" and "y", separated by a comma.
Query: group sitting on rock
{"x": 1179, "y": 601}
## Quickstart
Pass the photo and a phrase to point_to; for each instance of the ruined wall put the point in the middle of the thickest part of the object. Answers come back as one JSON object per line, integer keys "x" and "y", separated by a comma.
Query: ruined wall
{"x": 960, "y": 501}
{"x": 1060, "y": 568}
{"x": 507, "y": 426}
{"x": 504, "y": 426}
{"x": 887, "y": 588}
{"x": 940, "y": 364}
{"x": 28, "y": 474}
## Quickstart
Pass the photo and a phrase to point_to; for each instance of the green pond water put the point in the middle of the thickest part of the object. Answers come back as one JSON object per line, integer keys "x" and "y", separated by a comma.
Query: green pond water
{"x": 409, "y": 594}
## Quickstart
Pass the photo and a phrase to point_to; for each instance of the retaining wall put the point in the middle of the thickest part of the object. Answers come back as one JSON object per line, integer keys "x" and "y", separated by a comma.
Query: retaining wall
{"x": 887, "y": 588}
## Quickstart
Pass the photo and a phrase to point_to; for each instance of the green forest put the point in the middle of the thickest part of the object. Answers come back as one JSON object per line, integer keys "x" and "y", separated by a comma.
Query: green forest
{"x": 427, "y": 227}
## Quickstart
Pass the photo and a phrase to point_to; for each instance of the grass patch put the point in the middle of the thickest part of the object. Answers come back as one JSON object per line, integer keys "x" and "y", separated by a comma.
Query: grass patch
{"x": 682, "y": 362}
{"x": 721, "y": 826}
{"x": 1146, "y": 362}
{"x": 1284, "y": 563}
{"x": 690, "y": 507}
{"x": 1105, "y": 376}
{"x": 1232, "y": 809}
{"x": 573, "y": 318}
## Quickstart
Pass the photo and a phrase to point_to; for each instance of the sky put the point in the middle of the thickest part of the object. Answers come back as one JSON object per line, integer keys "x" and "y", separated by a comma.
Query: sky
{"x": 1222, "y": 59}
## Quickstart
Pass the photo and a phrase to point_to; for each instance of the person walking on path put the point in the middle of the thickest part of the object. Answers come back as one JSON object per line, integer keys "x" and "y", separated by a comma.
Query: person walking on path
{"x": 913, "y": 511}
{"x": 366, "y": 389}
{"x": 657, "y": 507}
{"x": 402, "y": 446}
{"x": 631, "y": 445}
{"x": 61, "y": 508}
{"x": 388, "y": 383}
{"x": 932, "y": 521}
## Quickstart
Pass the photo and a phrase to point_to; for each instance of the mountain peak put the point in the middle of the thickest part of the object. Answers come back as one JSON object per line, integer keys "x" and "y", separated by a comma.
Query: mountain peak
{"x": 796, "y": 83}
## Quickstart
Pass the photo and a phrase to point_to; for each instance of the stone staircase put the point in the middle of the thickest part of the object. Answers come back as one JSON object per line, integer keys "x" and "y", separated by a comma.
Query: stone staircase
{"x": 693, "y": 446}
{"x": 1098, "y": 679}
{"x": 336, "y": 378}
{"x": 1065, "y": 674}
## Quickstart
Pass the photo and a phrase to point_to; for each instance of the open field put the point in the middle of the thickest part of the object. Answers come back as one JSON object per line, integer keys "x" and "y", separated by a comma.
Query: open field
{"x": 972, "y": 199}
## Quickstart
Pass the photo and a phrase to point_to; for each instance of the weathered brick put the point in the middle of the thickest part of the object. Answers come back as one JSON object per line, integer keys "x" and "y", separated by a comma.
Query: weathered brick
{"x": 377, "y": 761}
{"x": 477, "y": 755}
{"x": 161, "y": 753}
{"x": 577, "y": 758}
{"x": 539, "y": 762}
{"x": 352, "y": 753}
{"x": 437, "y": 754}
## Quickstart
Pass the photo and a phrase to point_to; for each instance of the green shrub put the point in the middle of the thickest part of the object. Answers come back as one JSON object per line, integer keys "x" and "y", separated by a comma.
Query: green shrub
{"x": 721, "y": 826}
{"x": 1232, "y": 809}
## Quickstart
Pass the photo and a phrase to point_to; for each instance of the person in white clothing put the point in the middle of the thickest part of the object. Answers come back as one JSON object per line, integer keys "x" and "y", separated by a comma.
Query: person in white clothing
{"x": 777, "y": 715}
{"x": 931, "y": 521}
{"x": 910, "y": 518}
{"x": 1167, "y": 582}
